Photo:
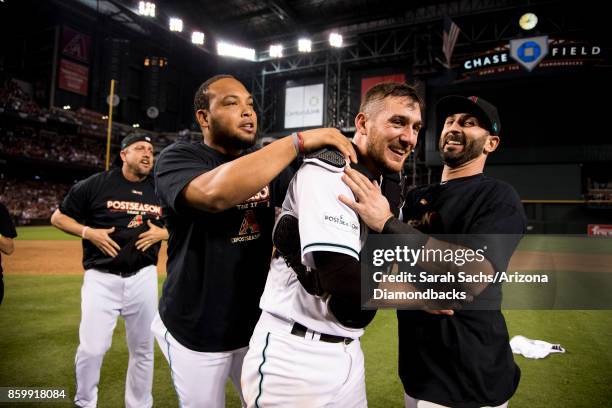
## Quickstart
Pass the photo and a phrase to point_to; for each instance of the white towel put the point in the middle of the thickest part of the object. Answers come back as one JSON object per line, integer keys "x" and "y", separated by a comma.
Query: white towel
{"x": 533, "y": 348}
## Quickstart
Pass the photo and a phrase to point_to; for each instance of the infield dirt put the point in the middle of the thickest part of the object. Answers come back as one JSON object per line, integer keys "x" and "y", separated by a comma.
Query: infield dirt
{"x": 64, "y": 258}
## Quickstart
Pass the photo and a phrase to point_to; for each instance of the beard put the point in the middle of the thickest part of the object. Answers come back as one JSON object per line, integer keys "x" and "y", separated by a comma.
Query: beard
{"x": 229, "y": 138}
{"x": 471, "y": 150}
{"x": 377, "y": 155}
{"x": 138, "y": 171}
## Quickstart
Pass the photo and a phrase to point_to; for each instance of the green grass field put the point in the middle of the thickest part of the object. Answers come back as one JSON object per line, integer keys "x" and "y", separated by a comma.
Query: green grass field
{"x": 43, "y": 233}
{"x": 39, "y": 335}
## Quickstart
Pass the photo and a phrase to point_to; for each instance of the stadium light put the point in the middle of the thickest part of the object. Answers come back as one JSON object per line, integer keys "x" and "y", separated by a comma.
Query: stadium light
{"x": 146, "y": 9}
{"x": 136, "y": 125}
{"x": 304, "y": 45}
{"x": 67, "y": 107}
{"x": 197, "y": 38}
{"x": 231, "y": 50}
{"x": 335, "y": 40}
{"x": 176, "y": 24}
{"x": 276, "y": 51}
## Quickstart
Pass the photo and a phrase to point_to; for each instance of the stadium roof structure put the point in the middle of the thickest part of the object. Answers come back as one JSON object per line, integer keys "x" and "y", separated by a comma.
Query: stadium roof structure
{"x": 263, "y": 23}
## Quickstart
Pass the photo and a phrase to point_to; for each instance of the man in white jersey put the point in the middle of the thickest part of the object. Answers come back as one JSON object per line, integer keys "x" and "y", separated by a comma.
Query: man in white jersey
{"x": 305, "y": 349}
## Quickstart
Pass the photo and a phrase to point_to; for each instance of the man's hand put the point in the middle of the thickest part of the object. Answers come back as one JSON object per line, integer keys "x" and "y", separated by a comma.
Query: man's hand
{"x": 151, "y": 237}
{"x": 100, "y": 238}
{"x": 447, "y": 312}
{"x": 371, "y": 205}
{"x": 315, "y": 139}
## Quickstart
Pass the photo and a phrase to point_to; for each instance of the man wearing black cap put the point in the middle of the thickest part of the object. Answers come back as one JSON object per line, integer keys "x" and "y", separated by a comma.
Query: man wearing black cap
{"x": 119, "y": 218}
{"x": 461, "y": 359}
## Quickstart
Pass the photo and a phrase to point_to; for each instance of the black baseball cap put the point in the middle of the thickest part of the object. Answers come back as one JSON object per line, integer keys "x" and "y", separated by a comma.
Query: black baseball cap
{"x": 130, "y": 139}
{"x": 482, "y": 109}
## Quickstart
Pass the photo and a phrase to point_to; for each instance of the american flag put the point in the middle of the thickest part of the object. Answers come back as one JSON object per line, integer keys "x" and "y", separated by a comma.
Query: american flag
{"x": 449, "y": 39}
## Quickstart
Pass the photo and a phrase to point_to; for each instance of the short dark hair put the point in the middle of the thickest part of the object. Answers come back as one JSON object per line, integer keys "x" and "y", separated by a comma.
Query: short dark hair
{"x": 201, "y": 99}
{"x": 384, "y": 89}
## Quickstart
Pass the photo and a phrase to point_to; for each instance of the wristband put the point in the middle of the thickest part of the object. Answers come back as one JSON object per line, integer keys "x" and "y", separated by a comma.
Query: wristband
{"x": 300, "y": 139}
{"x": 298, "y": 143}
{"x": 85, "y": 228}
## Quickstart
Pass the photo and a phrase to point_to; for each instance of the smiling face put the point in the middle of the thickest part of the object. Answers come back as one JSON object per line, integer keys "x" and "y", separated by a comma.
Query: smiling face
{"x": 462, "y": 139}
{"x": 231, "y": 121}
{"x": 392, "y": 128}
{"x": 138, "y": 159}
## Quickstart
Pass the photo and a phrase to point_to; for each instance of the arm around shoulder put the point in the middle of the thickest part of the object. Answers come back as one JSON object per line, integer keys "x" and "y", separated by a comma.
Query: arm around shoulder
{"x": 238, "y": 180}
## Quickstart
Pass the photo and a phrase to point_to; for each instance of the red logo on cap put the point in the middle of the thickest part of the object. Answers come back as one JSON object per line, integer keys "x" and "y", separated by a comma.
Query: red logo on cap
{"x": 473, "y": 98}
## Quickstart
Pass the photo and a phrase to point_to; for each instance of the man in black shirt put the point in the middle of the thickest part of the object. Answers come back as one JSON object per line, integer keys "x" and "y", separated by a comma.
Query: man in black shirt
{"x": 219, "y": 198}
{"x": 463, "y": 359}
{"x": 7, "y": 233}
{"x": 119, "y": 218}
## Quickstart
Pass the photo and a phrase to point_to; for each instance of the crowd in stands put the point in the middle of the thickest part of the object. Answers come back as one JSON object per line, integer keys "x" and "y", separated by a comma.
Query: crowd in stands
{"x": 15, "y": 98}
{"x": 30, "y": 200}
{"x": 44, "y": 145}
{"x": 600, "y": 190}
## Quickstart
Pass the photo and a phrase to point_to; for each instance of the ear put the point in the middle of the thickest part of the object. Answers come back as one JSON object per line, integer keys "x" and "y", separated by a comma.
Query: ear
{"x": 491, "y": 144}
{"x": 122, "y": 154}
{"x": 360, "y": 121}
{"x": 202, "y": 117}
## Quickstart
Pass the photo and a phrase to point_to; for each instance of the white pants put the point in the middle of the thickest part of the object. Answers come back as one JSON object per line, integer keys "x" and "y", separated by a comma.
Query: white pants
{"x": 199, "y": 378}
{"x": 285, "y": 370}
{"x": 414, "y": 403}
{"x": 104, "y": 297}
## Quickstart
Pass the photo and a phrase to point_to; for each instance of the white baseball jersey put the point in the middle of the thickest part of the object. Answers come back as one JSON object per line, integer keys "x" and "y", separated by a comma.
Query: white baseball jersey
{"x": 325, "y": 224}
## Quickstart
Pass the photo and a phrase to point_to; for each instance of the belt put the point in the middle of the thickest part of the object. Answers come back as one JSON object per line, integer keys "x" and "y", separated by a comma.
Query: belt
{"x": 118, "y": 272}
{"x": 300, "y": 330}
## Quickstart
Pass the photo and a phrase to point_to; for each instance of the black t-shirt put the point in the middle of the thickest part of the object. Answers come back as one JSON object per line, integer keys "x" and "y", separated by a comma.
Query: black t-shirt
{"x": 107, "y": 200}
{"x": 7, "y": 228}
{"x": 464, "y": 360}
{"x": 217, "y": 262}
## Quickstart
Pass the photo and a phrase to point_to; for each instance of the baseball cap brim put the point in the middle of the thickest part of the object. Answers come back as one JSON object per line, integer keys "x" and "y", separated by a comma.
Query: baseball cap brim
{"x": 131, "y": 139}
{"x": 450, "y": 105}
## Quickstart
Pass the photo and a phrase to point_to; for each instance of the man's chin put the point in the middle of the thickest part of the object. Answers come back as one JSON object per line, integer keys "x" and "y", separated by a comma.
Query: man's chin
{"x": 144, "y": 172}
{"x": 391, "y": 166}
{"x": 451, "y": 161}
{"x": 241, "y": 141}
{"x": 455, "y": 160}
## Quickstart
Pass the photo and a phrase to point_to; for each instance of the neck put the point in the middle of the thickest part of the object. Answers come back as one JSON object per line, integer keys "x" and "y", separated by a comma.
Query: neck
{"x": 359, "y": 143}
{"x": 210, "y": 142}
{"x": 129, "y": 175}
{"x": 471, "y": 168}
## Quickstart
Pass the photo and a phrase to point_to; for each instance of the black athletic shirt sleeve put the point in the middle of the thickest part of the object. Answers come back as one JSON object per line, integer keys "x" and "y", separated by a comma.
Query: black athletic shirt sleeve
{"x": 176, "y": 166}
{"x": 7, "y": 228}
{"x": 77, "y": 202}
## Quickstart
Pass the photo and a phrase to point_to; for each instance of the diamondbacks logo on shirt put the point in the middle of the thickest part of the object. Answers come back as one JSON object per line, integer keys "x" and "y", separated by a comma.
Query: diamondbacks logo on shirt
{"x": 136, "y": 222}
{"x": 249, "y": 229}
{"x": 249, "y": 224}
